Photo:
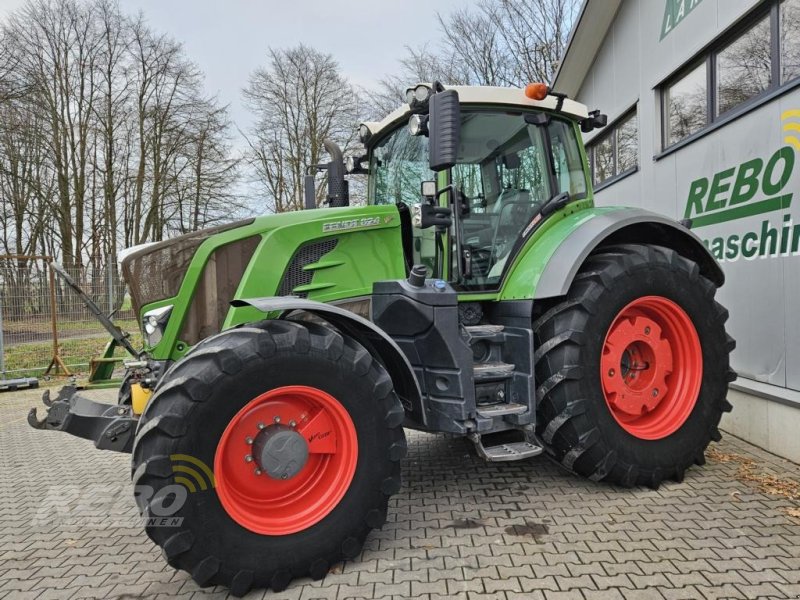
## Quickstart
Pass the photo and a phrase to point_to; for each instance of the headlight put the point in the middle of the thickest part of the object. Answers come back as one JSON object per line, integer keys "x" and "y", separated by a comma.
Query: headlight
{"x": 418, "y": 94}
{"x": 154, "y": 322}
{"x": 418, "y": 124}
{"x": 421, "y": 93}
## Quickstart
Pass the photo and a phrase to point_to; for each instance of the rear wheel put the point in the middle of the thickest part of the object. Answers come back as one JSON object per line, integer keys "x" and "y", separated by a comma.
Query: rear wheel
{"x": 304, "y": 433}
{"x": 633, "y": 367}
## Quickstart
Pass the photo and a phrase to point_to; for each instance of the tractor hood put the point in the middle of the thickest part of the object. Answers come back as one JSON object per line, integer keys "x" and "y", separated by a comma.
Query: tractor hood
{"x": 323, "y": 254}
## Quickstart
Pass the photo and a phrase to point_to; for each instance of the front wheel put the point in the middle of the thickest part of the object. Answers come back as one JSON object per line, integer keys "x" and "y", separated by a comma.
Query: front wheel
{"x": 304, "y": 434}
{"x": 632, "y": 367}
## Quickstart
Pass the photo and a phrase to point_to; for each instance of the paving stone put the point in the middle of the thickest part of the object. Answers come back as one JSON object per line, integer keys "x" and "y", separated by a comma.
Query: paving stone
{"x": 711, "y": 536}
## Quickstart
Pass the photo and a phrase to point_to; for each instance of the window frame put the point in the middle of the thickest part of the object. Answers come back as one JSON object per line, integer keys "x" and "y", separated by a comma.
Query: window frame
{"x": 769, "y": 9}
{"x": 611, "y": 130}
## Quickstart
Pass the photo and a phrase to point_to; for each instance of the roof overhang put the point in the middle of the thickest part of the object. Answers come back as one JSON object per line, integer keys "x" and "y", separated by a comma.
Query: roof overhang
{"x": 587, "y": 36}
{"x": 488, "y": 95}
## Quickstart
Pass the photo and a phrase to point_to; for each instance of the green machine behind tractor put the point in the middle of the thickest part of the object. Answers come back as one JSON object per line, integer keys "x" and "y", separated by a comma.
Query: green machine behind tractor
{"x": 478, "y": 293}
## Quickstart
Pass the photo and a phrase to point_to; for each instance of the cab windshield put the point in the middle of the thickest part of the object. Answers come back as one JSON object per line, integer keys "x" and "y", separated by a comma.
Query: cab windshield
{"x": 507, "y": 168}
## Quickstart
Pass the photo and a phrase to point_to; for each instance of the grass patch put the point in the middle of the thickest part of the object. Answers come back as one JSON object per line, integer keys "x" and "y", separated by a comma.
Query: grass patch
{"x": 31, "y": 360}
{"x": 40, "y": 325}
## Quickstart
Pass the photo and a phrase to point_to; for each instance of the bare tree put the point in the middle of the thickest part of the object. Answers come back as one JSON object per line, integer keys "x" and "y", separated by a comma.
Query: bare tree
{"x": 499, "y": 42}
{"x": 106, "y": 136}
{"x": 10, "y": 84}
{"x": 205, "y": 175}
{"x": 26, "y": 180}
{"x": 477, "y": 42}
{"x": 535, "y": 33}
{"x": 416, "y": 66}
{"x": 299, "y": 99}
{"x": 56, "y": 43}
{"x": 111, "y": 115}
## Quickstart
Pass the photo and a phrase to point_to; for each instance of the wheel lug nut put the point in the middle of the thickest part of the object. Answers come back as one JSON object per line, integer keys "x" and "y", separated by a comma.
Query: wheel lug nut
{"x": 261, "y": 426}
{"x": 292, "y": 424}
{"x": 655, "y": 392}
{"x": 284, "y": 476}
{"x": 248, "y": 440}
{"x": 611, "y": 372}
{"x": 257, "y": 471}
{"x": 248, "y": 458}
{"x": 647, "y": 331}
{"x": 277, "y": 419}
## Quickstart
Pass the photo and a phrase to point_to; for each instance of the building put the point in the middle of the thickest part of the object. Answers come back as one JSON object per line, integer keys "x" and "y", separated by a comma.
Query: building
{"x": 703, "y": 102}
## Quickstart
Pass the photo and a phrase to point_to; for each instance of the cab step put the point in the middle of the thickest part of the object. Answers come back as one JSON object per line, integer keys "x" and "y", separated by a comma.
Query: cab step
{"x": 504, "y": 452}
{"x": 488, "y": 371}
{"x": 484, "y": 331}
{"x": 501, "y": 409}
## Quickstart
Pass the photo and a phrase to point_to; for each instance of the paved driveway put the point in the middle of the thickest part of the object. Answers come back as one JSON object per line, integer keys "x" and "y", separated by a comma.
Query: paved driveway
{"x": 460, "y": 528}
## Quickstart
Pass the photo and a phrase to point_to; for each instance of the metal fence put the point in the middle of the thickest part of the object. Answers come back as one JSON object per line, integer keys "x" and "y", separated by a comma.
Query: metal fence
{"x": 46, "y": 329}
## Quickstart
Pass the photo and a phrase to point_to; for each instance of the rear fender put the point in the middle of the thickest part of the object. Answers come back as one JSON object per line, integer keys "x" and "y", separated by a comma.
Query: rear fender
{"x": 548, "y": 266}
{"x": 360, "y": 329}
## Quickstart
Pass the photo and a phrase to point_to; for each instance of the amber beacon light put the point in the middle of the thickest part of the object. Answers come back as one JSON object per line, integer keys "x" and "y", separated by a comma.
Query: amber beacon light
{"x": 537, "y": 90}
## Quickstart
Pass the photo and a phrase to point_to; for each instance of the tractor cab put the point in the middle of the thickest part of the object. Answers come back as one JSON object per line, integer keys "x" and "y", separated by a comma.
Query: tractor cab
{"x": 514, "y": 159}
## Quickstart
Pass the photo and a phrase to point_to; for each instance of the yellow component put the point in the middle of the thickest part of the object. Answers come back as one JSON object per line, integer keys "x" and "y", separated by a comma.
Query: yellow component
{"x": 139, "y": 397}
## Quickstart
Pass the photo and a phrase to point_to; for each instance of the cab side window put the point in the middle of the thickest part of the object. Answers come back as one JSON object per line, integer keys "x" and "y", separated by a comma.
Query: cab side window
{"x": 567, "y": 161}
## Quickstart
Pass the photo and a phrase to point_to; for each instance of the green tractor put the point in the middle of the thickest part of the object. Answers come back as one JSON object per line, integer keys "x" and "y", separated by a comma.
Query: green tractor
{"x": 479, "y": 293}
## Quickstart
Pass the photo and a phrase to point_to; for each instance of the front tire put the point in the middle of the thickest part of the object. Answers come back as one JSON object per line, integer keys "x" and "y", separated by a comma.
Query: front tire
{"x": 277, "y": 507}
{"x": 632, "y": 367}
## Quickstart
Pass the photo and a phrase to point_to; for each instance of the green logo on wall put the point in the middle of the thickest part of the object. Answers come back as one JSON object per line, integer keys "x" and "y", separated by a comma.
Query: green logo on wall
{"x": 751, "y": 188}
{"x": 755, "y": 187}
{"x": 674, "y": 12}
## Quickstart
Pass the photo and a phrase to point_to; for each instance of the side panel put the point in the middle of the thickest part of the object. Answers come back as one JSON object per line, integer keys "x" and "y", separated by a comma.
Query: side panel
{"x": 546, "y": 268}
{"x": 358, "y": 258}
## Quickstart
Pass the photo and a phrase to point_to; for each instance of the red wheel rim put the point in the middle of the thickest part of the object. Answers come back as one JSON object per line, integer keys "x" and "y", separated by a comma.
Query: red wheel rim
{"x": 268, "y": 504}
{"x": 651, "y": 367}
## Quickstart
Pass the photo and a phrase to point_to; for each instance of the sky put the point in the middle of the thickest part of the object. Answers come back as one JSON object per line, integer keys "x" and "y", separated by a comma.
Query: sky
{"x": 228, "y": 39}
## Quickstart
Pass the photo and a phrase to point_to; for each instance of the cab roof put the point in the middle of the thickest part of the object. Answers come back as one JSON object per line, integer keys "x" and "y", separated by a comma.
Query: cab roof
{"x": 487, "y": 95}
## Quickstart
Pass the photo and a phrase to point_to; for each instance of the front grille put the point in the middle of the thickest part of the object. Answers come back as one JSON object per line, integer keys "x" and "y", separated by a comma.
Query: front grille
{"x": 295, "y": 276}
{"x": 217, "y": 286}
{"x": 156, "y": 272}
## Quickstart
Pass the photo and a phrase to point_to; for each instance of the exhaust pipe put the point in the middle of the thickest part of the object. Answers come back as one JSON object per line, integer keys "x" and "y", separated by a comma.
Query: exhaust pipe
{"x": 338, "y": 189}
{"x": 309, "y": 193}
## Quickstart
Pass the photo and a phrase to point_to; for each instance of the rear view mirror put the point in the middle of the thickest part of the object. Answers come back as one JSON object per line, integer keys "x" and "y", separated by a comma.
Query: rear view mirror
{"x": 595, "y": 120}
{"x": 444, "y": 125}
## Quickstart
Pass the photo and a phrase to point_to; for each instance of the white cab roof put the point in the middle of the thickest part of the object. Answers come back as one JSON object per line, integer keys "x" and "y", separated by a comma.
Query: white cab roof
{"x": 489, "y": 95}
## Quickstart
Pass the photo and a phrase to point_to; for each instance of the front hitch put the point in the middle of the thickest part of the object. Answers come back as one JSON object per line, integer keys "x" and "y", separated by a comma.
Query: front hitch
{"x": 110, "y": 427}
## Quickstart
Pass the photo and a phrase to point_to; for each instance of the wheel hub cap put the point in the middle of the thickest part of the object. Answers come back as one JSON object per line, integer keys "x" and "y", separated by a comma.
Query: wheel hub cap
{"x": 280, "y": 451}
{"x": 651, "y": 367}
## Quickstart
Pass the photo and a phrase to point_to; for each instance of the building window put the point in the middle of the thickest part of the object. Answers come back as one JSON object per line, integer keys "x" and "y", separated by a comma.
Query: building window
{"x": 743, "y": 65}
{"x": 628, "y": 144}
{"x": 616, "y": 151}
{"x": 686, "y": 104}
{"x": 790, "y": 40}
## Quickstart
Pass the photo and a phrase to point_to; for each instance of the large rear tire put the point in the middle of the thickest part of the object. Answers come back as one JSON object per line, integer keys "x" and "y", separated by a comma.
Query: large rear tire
{"x": 632, "y": 367}
{"x": 304, "y": 432}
